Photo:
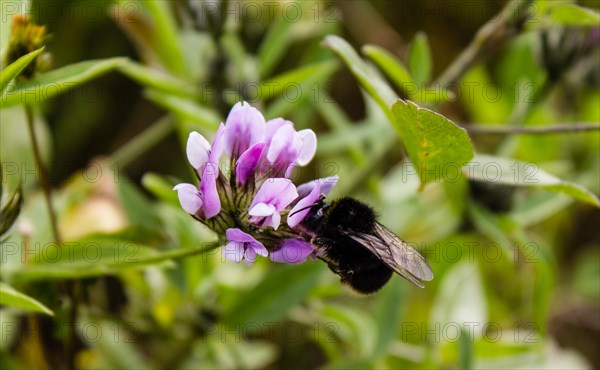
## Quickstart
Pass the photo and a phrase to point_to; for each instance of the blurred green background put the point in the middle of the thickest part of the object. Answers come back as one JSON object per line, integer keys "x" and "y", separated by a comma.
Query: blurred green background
{"x": 516, "y": 267}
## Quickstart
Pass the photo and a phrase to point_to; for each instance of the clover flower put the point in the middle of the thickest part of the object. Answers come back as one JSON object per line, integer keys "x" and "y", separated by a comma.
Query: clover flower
{"x": 253, "y": 205}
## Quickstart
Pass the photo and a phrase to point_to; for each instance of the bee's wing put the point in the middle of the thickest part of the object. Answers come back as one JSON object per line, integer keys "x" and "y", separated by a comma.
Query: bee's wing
{"x": 395, "y": 253}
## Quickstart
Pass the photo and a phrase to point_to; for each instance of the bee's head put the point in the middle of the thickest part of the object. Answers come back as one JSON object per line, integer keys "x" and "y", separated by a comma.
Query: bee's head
{"x": 313, "y": 219}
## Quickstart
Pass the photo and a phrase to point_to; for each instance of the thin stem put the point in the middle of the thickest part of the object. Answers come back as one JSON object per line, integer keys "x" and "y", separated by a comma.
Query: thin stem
{"x": 531, "y": 130}
{"x": 69, "y": 287}
{"x": 491, "y": 35}
{"x": 44, "y": 182}
{"x": 143, "y": 142}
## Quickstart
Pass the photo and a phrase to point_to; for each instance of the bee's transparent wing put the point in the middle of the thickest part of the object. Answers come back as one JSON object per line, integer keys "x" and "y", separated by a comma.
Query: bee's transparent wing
{"x": 395, "y": 253}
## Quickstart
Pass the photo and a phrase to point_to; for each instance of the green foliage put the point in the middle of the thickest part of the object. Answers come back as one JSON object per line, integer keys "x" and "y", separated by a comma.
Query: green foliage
{"x": 368, "y": 78}
{"x": 419, "y": 59}
{"x": 392, "y": 67}
{"x": 270, "y": 300}
{"x": 14, "y": 69}
{"x": 574, "y": 15}
{"x": 432, "y": 141}
{"x": 10, "y": 206}
{"x": 10, "y": 297}
{"x": 517, "y": 173}
{"x": 152, "y": 280}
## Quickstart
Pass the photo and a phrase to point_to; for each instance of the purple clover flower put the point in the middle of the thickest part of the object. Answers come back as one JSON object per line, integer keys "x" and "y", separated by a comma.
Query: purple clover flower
{"x": 252, "y": 207}
{"x": 205, "y": 202}
{"x": 242, "y": 246}
{"x": 272, "y": 198}
{"x": 245, "y": 127}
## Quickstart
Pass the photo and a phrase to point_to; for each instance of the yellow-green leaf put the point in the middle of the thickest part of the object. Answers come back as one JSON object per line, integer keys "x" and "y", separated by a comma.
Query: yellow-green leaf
{"x": 419, "y": 59}
{"x": 517, "y": 173}
{"x": 14, "y": 69}
{"x": 10, "y": 297}
{"x": 368, "y": 78}
{"x": 58, "y": 81}
{"x": 574, "y": 15}
{"x": 435, "y": 145}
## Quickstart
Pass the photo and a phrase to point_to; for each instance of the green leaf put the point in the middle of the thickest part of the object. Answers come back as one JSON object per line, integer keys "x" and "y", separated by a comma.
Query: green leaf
{"x": 388, "y": 317}
{"x": 14, "y": 69}
{"x": 393, "y": 68}
{"x": 574, "y": 15}
{"x": 58, "y": 81}
{"x": 160, "y": 187}
{"x": 371, "y": 81}
{"x": 242, "y": 65}
{"x": 350, "y": 364}
{"x": 297, "y": 81}
{"x": 419, "y": 59}
{"x": 165, "y": 35}
{"x": 96, "y": 257}
{"x": 340, "y": 140}
{"x": 136, "y": 205}
{"x": 461, "y": 297}
{"x": 11, "y": 297}
{"x": 271, "y": 299}
{"x": 152, "y": 78}
{"x": 10, "y": 206}
{"x": 185, "y": 108}
{"x": 495, "y": 227}
{"x": 434, "y": 144}
{"x": 355, "y": 325}
{"x": 508, "y": 171}
{"x": 274, "y": 46}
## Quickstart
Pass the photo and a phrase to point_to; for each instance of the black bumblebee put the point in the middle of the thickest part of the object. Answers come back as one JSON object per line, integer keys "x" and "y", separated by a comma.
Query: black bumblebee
{"x": 359, "y": 249}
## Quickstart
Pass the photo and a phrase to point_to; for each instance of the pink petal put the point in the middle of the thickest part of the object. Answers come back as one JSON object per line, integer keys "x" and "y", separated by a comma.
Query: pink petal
{"x": 295, "y": 217}
{"x": 292, "y": 251}
{"x": 208, "y": 188}
{"x": 197, "y": 149}
{"x": 309, "y": 146}
{"x": 237, "y": 235}
{"x": 189, "y": 198}
{"x": 327, "y": 184}
{"x": 246, "y": 164}
{"x": 279, "y": 192}
{"x": 233, "y": 251}
{"x": 245, "y": 126}
{"x": 272, "y": 126}
{"x": 249, "y": 256}
{"x": 285, "y": 146}
{"x": 217, "y": 145}
{"x": 254, "y": 249}
{"x": 259, "y": 249}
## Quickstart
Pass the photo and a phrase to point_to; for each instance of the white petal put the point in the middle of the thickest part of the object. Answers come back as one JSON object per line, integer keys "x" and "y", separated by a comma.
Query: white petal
{"x": 262, "y": 210}
{"x": 233, "y": 251}
{"x": 197, "y": 149}
{"x": 189, "y": 198}
{"x": 309, "y": 146}
{"x": 275, "y": 220}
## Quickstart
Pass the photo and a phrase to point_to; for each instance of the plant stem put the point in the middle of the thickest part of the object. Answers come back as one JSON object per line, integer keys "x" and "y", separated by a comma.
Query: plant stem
{"x": 68, "y": 287}
{"x": 142, "y": 142}
{"x": 553, "y": 129}
{"x": 44, "y": 182}
{"x": 490, "y": 36}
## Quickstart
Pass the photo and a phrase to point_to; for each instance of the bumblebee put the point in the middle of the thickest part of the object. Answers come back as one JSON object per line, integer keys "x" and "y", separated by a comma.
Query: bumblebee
{"x": 355, "y": 246}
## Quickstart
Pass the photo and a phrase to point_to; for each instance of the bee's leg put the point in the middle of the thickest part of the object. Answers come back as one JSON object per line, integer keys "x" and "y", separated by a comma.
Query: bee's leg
{"x": 332, "y": 265}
